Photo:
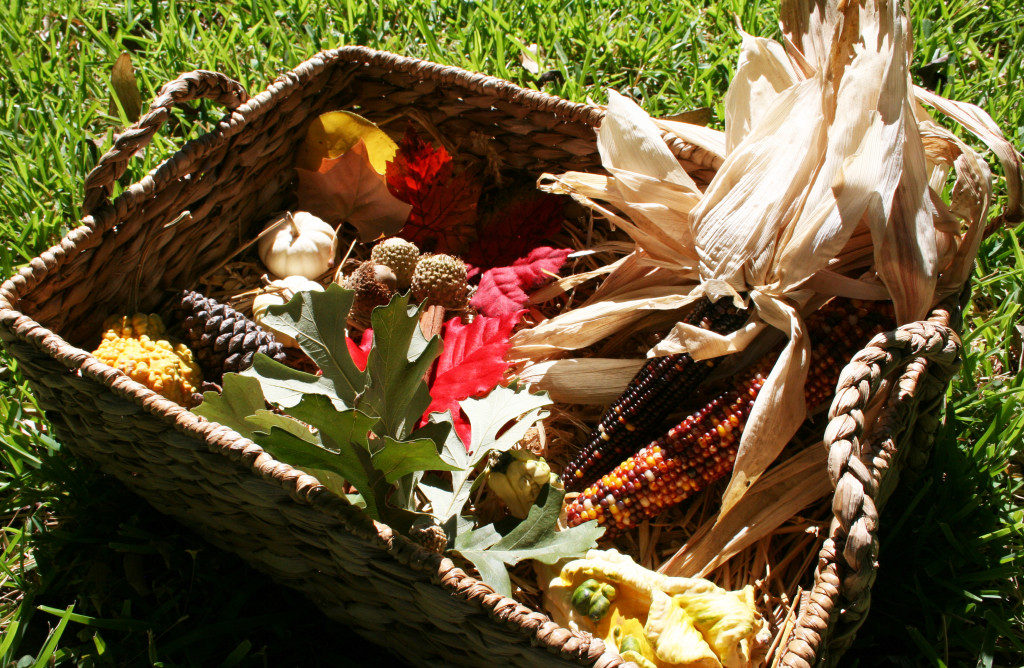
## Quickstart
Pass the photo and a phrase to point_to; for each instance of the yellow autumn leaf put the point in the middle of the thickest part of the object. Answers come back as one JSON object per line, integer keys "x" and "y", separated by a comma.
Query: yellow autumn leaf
{"x": 335, "y": 133}
{"x": 348, "y": 189}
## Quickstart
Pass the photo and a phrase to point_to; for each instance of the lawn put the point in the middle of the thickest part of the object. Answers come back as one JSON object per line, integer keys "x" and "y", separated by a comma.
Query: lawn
{"x": 90, "y": 575}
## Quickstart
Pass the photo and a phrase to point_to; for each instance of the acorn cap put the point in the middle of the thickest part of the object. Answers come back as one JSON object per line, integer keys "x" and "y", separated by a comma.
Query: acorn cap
{"x": 400, "y": 256}
{"x": 441, "y": 280}
{"x": 373, "y": 284}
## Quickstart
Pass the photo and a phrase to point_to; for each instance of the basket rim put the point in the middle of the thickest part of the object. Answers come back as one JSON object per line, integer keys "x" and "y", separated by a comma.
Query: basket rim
{"x": 106, "y": 217}
{"x": 219, "y": 439}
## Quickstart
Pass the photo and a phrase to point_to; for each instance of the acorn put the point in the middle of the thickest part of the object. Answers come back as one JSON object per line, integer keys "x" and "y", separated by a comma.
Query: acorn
{"x": 441, "y": 279}
{"x": 400, "y": 256}
{"x": 430, "y": 536}
{"x": 374, "y": 285}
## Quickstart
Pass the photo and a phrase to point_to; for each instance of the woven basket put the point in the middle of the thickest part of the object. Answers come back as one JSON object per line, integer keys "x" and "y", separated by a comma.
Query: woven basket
{"x": 282, "y": 521}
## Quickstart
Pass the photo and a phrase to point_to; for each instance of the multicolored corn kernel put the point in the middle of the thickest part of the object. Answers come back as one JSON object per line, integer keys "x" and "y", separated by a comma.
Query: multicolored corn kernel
{"x": 635, "y": 417}
{"x": 702, "y": 448}
{"x": 692, "y": 455}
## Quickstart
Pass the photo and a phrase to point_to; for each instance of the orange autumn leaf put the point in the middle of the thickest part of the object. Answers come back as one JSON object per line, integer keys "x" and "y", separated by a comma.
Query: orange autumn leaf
{"x": 348, "y": 189}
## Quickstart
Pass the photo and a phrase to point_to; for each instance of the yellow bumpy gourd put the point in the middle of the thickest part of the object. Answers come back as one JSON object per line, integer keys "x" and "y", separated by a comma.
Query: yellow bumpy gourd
{"x": 139, "y": 346}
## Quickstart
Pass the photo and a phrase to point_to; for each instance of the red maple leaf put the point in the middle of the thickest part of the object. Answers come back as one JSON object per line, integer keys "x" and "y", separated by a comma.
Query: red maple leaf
{"x": 471, "y": 364}
{"x": 516, "y": 228}
{"x": 506, "y": 289}
{"x": 444, "y": 203}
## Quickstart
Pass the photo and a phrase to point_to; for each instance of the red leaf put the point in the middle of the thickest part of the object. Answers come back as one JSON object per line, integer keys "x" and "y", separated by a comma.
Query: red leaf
{"x": 471, "y": 363}
{"x": 360, "y": 352}
{"x": 517, "y": 228}
{"x": 348, "y": 189}
{"x": 444, "y": 203}
{"x": 505, "y": 289}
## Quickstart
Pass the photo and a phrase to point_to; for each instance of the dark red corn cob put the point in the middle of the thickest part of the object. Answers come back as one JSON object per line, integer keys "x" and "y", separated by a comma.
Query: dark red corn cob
{"x": 656, "y": 390}
{"x": 702, "y": 448}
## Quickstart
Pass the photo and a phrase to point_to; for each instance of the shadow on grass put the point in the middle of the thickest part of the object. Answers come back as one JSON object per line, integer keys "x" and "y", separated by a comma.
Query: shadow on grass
{"x": 944, "y": 541}
{"x": 162, "y": 596}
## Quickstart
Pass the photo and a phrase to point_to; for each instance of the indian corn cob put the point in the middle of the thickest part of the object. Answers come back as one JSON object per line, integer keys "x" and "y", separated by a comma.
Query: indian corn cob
{"x": 634, "y": 418}
{"x": 702, "y": 448}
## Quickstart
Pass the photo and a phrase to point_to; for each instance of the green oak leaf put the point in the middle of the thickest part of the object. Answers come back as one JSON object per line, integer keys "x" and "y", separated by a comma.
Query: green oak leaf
{"x": 487, "y": 416}
{"x": 354, "y": 428}
{"x": 348, "y": 448}
{"x": 398, "y": 458}
{"x": 491, "y": 550}
{"x": 343, "y": 447}
{"x": 397, "y": 363}
{"x": 346, "y": 435}
{"x": 287, "y": 447}
{"x": 447, "y": 496}
{"x": 317, "y": 320}
{"x": 241, "y": 398}
{"x": 285, "y": 386}
{"x": 262, "y": 421}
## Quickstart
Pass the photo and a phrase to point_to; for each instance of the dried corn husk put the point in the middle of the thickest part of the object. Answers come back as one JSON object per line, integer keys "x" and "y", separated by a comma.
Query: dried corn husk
{"x": 830, "y": 184}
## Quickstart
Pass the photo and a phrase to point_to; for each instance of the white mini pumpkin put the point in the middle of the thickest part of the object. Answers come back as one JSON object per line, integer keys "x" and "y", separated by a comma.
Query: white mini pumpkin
{"x": 280, "y": 292}
{"x": 298, "y": 244}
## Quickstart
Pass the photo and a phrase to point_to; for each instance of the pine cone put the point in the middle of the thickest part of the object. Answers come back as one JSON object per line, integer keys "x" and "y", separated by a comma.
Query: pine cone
{"x": 430, "y": 536}
{"x": 222, "y": 339}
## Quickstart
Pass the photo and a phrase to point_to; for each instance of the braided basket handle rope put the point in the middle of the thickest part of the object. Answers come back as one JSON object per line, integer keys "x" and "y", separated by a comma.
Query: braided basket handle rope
{"x": 862, "y": 467}
{"x": 199, "y": 84}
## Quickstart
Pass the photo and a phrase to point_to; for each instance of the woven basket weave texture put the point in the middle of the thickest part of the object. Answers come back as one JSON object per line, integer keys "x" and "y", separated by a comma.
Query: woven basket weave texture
{"x": 391, "y": 591}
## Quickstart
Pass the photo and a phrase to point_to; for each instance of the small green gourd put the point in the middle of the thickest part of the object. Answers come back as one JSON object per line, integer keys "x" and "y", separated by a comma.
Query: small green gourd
{"x": 593, "y": 599}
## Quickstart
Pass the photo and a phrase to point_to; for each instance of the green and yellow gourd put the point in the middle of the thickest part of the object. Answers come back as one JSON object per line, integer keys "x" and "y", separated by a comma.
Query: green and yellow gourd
{"x": 655, "y": 620}
{"x": 517, "y": 478}
{"x": 593, "y": 599}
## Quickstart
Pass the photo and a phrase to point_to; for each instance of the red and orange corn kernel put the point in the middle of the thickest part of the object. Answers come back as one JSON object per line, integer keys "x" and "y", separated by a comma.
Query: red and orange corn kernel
{"x": 702, "y": 448}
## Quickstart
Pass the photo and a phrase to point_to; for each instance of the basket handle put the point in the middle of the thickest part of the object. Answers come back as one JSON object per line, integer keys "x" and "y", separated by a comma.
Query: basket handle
{"x": 198, "y": 84}
{"x": 860, "y": 459}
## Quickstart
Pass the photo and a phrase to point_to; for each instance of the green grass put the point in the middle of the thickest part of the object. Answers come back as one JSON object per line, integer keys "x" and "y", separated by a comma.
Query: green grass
{"x": 90, "y": 575}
